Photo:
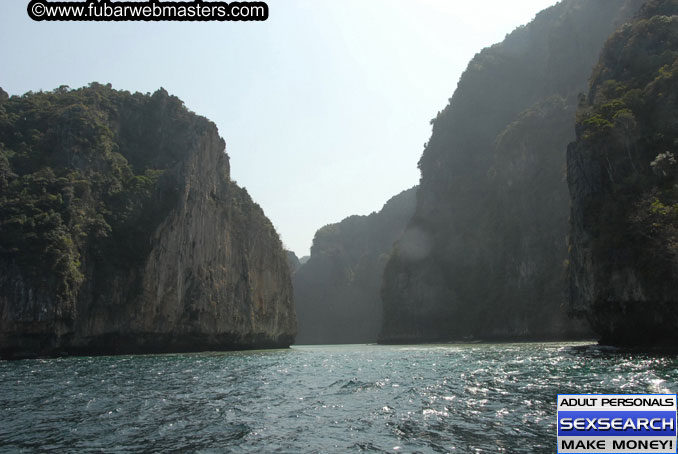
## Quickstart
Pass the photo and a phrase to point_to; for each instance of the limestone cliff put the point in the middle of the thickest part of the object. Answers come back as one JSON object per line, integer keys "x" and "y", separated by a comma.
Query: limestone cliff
{"x": 292, "y": 261}
{"x": 336, "y": 291}
{"x": 623, "y": 181}
{"x": 483, "y": 256}
{"x": 122, "y": 232}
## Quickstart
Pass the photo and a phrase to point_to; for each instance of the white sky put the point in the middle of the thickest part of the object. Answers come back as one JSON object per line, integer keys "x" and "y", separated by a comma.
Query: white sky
{"x": 324, "y": 107}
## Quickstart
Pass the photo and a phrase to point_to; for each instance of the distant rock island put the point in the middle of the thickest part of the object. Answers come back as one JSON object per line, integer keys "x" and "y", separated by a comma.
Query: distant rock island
{"x": 485, "y": 253}
{"x": 122, "y": 232}
{"x": 337, "y": 290}
{"x": 623, "y": 178}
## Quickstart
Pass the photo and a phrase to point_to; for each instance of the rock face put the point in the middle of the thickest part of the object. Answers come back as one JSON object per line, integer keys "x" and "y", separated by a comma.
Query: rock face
{"x": 623, "y": 181}
{"x": 121, "y": 232}
{"x": 336, "y": 291}
{"x": 292, "y": 261}
{"x": 483, "y": 256}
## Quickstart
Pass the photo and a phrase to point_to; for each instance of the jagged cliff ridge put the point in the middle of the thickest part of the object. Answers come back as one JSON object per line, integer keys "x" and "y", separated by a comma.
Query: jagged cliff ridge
{"x": 292, "y": 261}
{"x": 623, "y": 180}
{"x": 121, "y": 231}
{"x": 337, "y": 291}
{"x": 483, "y": 256}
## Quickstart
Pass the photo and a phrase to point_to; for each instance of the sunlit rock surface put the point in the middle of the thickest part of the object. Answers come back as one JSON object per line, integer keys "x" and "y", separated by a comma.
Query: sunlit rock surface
{"x": 122, "y": 232}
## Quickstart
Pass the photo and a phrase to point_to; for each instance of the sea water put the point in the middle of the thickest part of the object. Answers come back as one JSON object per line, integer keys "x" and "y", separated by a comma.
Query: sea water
{"x": 476, "y": 398}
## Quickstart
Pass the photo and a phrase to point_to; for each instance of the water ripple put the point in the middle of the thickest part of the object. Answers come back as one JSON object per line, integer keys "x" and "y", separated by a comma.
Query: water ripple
{"x": 372, "y": 399}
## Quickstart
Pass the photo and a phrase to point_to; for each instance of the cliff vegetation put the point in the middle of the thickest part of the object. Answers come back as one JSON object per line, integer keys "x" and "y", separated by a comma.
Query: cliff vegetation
{"x": 484, "y": 255}
{"x": 623, "y": 179}
{"x": 121, "y": 231}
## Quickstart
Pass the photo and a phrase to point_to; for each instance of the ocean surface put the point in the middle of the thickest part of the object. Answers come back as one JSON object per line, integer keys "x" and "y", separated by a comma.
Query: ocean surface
{"x": 475, "y": 398}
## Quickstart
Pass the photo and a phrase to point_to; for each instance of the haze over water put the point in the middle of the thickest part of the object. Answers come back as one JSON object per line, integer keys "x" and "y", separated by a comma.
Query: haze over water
{"x": 356, "y": 398}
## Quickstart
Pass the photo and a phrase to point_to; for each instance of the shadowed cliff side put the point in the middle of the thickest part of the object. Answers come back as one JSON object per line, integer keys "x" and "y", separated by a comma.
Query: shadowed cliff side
{"x": 623, "y": 179}
{"x": 337, "y": 291}
{"x": 292, "y": 261}
{"x": 121, "y": 232}
{"x": 483, "y": 256}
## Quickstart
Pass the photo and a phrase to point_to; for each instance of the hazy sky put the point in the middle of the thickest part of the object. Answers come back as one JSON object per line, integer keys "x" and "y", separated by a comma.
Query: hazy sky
{"x": 324, "y": 107}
